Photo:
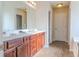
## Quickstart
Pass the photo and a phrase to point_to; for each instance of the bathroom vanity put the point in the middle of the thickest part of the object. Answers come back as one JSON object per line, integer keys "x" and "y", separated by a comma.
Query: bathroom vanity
{"x": 26, "y": 45}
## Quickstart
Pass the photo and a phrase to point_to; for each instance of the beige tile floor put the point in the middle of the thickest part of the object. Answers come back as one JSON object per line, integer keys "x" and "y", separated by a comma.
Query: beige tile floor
{"x": 56, "y": 49}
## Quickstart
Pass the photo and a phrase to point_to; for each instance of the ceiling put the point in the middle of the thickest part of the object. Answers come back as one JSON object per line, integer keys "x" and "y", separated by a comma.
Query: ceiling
{"x": 54, "y": 3}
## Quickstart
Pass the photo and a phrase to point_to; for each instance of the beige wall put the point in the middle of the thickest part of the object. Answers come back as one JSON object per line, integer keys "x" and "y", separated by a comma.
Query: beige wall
{"x": 42, "y": 19}
{"x": 9, "y": 18}
{"x": 74, "y": 26}
{"x": 31, "y": 18}
{"x": 74, "y": 19}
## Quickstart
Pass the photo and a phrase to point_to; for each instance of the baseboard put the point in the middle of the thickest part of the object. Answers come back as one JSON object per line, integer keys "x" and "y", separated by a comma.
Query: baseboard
{"x": 61, "y": 41}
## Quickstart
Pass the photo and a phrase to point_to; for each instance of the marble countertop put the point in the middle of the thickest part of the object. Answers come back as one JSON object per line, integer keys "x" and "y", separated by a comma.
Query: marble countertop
{"x": 14, "y": 36}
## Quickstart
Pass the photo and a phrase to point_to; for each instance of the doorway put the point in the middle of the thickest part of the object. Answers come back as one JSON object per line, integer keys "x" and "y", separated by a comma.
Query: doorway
{"x": 60, "y": 24}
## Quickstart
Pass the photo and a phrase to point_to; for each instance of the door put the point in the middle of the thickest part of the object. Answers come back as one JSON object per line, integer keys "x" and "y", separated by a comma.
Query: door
{"x": 60, "y": 24}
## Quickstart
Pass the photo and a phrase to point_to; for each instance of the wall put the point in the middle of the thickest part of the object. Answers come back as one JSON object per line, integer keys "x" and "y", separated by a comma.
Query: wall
{"x": 9, "y": 18}
{"x": 31, "y": 18}
{"x": 1, "y": 10}
{"x": 74, "y": 22}
{"x": 42, "y": 19}
{"x": 74, "y": 19}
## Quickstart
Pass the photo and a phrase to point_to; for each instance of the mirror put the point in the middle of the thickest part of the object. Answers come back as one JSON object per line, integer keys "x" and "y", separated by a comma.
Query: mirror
{"x": 14, "y": 15}
{"x": 21, "y": 19}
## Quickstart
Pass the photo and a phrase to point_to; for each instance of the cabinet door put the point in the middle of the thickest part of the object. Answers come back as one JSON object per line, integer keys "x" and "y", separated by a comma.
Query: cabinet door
{"x": 10, "y": 52}
{"x": 5, "y": 45}
{"x": 43, "y": 39}
{"x": 38, "y": 42}
{"x": 33, "y": 45}
{"x": 12, "y": 43}
{"x": 27, "y": 42}
{"x": 22, "y": 50}
{"x": 15, "y": 42}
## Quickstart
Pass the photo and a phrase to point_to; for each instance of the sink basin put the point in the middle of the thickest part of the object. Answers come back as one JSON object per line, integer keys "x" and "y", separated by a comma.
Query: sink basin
{"x": 18, "y": 32}
{"x": 8, "y": 34}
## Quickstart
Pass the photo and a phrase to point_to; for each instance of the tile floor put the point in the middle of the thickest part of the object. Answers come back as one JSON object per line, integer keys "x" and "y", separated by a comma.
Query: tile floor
{"x": 56, "y": 49}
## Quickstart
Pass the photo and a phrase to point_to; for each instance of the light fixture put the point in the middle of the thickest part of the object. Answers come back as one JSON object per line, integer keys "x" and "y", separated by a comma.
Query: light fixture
{"x": 59, "y": 5}
{"x": 31, "y": 4}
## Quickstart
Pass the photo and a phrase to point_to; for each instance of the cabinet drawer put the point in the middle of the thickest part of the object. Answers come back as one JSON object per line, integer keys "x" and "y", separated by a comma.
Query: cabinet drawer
{"x": 10, "y": 52}
{"x": 13, "y": 43}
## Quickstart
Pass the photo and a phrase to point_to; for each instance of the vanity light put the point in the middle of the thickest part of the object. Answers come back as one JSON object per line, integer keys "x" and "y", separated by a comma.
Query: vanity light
{"x": 31, "y": 4}
{"x": 59, "y": 5}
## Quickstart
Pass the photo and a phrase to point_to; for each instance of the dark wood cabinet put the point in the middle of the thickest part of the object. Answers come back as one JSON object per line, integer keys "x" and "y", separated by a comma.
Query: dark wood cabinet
{"x": 33, "y": 45}
{"x": 21, "y": 51}
{"x": 13, "y": 43}
{"x": 10, "y": 47}
{"x": 25, "y": 46}
{"x": 27, "y": 42}
{"x": 38, "y": 42}
{"x": 10, "y": 52}
{"x": 42, "y": 39}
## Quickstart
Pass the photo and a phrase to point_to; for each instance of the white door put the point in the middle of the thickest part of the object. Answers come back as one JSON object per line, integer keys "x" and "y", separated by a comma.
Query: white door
{"x": 60, "y": 24}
